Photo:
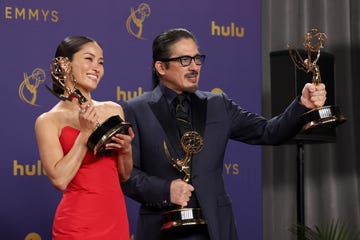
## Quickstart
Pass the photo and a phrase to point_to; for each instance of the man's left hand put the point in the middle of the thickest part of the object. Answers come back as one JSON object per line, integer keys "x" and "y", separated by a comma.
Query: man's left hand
{"x": 313, "y": 96}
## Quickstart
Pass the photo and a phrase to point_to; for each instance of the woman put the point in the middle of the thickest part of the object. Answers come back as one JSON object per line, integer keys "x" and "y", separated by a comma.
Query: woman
{"x": 92, "y": 205}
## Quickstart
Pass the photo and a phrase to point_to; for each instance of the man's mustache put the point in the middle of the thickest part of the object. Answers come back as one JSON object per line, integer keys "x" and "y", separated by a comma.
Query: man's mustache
{"x": 192, "y": 73}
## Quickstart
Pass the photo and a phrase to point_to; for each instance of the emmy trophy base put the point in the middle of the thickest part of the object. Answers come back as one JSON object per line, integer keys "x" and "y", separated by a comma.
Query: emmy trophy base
{"x": 183, "y": 218}
{"x": 323, "y": 117}
{"x": 103, "y": 133}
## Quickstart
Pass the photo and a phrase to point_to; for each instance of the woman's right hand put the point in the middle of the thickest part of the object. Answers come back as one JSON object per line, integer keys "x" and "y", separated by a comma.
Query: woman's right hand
{"x": 88, "y": 118}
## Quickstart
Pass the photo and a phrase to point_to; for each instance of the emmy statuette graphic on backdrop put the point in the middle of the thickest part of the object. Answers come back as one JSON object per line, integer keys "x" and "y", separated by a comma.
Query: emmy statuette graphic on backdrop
{"x": 191, "y": 142}
{"x": 326, "y": 116}
{"x": 60, "y": 68}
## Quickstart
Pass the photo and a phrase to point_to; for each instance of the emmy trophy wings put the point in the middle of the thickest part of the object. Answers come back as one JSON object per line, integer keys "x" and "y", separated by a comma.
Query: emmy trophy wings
{"x": 60, "y": 68}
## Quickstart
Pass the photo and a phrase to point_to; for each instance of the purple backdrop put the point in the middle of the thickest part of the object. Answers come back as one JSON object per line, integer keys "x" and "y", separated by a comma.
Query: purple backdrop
{"x": 229, "y": 34}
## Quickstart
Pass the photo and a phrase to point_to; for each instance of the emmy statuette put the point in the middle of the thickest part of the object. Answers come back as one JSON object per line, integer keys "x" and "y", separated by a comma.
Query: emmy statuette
{"x": 60, "y": 68}
{"x": 191, "y": 142}
{"x": 321, "y": 117}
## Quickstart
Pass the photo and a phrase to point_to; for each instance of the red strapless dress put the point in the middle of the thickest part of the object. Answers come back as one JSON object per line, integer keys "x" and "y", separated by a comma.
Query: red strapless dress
{"x": 93, "y": 205}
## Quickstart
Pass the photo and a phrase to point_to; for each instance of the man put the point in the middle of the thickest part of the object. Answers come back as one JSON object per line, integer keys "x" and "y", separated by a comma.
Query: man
{"x": 155, "y": 182}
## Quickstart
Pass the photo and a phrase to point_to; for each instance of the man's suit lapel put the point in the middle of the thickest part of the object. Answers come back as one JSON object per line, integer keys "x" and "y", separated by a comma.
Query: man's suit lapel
{"x": 160, "y": 107}
{"x": 198, "y": 111}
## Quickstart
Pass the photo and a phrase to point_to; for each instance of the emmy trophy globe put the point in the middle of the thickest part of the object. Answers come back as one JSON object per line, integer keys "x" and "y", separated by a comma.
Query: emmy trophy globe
{"x": 191, "y": 143}
{"x": 60, "y": 68}
{"x": 321, "y": 117}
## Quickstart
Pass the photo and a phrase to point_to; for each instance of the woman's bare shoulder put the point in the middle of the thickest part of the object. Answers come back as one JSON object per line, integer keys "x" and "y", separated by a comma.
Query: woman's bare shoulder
{"x": 48, "y": 116}
{"x": 106, "y": 103}
{"x": 54, "y": 117}
{"x": 110, "y": 107}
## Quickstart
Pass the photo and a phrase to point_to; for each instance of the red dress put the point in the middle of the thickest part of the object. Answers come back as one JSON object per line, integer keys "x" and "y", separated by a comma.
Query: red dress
{"x": 93, "y": 205}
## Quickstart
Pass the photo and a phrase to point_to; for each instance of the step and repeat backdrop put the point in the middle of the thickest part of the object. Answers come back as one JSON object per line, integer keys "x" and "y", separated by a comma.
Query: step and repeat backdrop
{"x": 228, "y": 32}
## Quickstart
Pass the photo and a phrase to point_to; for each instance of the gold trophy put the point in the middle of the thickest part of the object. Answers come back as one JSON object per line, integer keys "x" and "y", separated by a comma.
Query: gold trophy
{"x": 191, "y": 142}
{"x": 60, "y": 68}
{"x": 326, "y": 116}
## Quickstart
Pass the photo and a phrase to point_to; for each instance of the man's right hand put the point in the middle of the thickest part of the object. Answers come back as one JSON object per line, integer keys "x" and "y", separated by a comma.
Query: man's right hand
{"x": 180, "y": 192}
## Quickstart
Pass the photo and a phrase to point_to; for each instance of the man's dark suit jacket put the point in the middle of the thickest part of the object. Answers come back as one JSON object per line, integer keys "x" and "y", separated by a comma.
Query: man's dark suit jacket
{"x": 218, "y": 119}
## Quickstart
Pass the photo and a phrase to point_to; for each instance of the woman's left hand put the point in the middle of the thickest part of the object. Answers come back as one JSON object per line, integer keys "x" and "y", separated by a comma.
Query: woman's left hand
{"x": 121, "y": 142}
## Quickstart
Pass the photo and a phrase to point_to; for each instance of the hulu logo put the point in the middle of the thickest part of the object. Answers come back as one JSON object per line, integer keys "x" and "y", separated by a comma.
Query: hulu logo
{"x": 227, "y": 31}
{"x": 28, "y": 169}
{"x": 122, "y": 95}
